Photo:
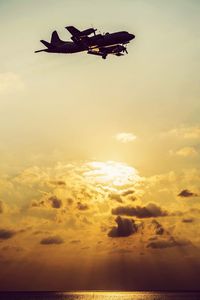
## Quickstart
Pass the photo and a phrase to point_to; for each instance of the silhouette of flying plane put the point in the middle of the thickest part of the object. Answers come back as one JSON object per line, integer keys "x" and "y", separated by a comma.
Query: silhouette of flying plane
{"x": 88, "y": 40}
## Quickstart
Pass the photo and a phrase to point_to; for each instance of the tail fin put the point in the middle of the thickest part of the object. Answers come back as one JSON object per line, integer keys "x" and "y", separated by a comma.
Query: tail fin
{"x": 55, "y": 40}
{"x": 48, "y": 45}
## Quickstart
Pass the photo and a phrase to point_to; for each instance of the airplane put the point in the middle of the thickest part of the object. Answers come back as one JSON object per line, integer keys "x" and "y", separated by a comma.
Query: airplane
{"x": 88, "y": 40}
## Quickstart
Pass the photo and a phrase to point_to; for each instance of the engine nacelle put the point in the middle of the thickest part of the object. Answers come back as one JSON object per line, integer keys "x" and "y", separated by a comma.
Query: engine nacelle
{"x": 120, "y": 48}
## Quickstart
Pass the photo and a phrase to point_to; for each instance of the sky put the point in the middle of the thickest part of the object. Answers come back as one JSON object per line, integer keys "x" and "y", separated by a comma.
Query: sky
{"x": 99, "y": 177}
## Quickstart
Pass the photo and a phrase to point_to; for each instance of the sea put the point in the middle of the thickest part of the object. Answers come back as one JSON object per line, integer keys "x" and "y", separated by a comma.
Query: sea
{"x": 100, "y": 295}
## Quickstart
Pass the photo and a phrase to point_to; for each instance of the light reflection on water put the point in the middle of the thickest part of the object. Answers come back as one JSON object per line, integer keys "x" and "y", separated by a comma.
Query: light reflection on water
{"x": 130, "y": 296}
{"x": 99, "y": 296}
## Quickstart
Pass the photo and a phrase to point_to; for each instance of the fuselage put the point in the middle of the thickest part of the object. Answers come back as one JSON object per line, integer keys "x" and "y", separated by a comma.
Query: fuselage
{"x": 66, "y": 47}
{"x": 108, "y": 39}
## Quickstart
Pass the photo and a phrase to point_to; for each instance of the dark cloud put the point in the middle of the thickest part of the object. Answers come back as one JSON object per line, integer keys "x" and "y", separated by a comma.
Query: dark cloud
{"x": 1, "y": 207}
{"x": 169, "y": 243}
{"x": 116, "y": 197}
{"x": 70, "y": 201}
{"x": 75, "y": 241}
{"x": 40, "y": 203}
{"x": 40, "y": 232}
{"x": 125, "y": 227}
{"x": 132, "y": 198}
{"x": 58, "y": 182}
{"x": 25, "y": 229}
{"x": 55, "y": 202}
{"x": 149, "y": 211}
{"x": 6, "y": 234}
{"x": 12, "y": 248}
{"x": 187, "y": 193}
{"x": 52, "y": 240}
{"x": 188, "y": 220}
{"x": 157, "y": 227}
{"x": 153, "y": 238}
{"x": 85, "y": 248}
{"x": 82, "y": 206}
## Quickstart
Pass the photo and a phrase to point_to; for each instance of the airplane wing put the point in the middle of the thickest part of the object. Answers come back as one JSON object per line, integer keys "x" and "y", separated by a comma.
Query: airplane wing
{"x": 80, "y": 36}
{"x": 74, "y": 31}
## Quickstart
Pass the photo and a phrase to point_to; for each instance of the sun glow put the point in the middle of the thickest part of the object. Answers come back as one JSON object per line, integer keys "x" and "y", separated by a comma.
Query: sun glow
{"x": 110, "y": 173}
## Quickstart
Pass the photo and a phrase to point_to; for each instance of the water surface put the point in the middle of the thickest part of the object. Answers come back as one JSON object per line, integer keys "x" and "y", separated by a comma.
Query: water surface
{"x": 100, "y": 296}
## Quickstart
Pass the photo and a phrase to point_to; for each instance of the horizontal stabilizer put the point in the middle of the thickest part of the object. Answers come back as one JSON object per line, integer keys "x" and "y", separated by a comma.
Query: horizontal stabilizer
{"x": 37, "y": 51}
{"x": 48, "y": 45}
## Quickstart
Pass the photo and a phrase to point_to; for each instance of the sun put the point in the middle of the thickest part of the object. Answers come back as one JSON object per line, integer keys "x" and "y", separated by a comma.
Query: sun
{"x": 111, "y": 174}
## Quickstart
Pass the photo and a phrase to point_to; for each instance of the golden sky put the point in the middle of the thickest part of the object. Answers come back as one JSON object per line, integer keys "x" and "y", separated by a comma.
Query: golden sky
{"x": 99, "y": 177}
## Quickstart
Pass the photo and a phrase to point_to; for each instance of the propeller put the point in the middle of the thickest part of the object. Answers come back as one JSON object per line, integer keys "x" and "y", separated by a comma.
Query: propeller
{"x": 125, "y": 50}
{"x": 122, "y": 48}
{"x": 94, "y": 29}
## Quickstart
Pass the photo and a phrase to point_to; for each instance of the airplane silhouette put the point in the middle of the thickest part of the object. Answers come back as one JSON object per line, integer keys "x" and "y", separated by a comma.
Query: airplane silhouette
{"x": 97, "y": 44}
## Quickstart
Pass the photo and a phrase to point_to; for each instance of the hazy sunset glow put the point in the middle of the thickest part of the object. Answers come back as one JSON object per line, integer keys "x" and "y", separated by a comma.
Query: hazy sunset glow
{"x": 99, "y": 176}
{"x": 110, "y": 173}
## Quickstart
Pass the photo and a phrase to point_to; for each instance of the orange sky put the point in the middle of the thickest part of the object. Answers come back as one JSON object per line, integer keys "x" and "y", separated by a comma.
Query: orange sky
{"x": 99, "y": 179}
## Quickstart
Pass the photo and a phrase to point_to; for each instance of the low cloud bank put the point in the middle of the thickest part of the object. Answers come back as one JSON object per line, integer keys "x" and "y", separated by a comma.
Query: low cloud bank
{"x": 168, "y": 243}
{"x": 6, "y": 234}
{"x": 187, "y": 193}
{"x": 149, "y": 211}
{"x": 52, "y": 240}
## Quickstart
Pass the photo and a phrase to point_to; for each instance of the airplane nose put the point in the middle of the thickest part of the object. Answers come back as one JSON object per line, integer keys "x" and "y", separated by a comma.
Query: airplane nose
{"x": 132, "y": 36}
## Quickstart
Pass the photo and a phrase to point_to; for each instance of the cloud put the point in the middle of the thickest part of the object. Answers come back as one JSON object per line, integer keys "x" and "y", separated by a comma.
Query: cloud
{"x": 190, "y": 132}
{"x": 149, "y": 211}
{"x": 6, "y": 234}
{"x": 52, "y": 202}
{"x": 12, "y": 248}
{"x": 82, "y": 206}
{"x": 55, "y": 202}
{"x": 132, "y": 198}
{"x": 169, "y": 243}
{"x": 125, "y": 227}
{"x": 187, "y": 193}
{"x": 86, "y": 221}
{"x": 40, "y": 203}
{"x": 40, "y": 232}
{"x": 1, "y": 207}
{"x": 75, "y": 241}
{"x": 127, "y": 193}
{"x": 10, "y": 82}
{"x": 157, "y": 227}
{"x": 110, "y": 176}
{"x": 52, "y": 240}
{"x": 185, "y": 152}
{"x": 116, "y": 197}
{"x": 188, "y": 220}
{"x": 60, "y": 183}
{"x": 70, "y": 201}
{"x": 125, "y": 137}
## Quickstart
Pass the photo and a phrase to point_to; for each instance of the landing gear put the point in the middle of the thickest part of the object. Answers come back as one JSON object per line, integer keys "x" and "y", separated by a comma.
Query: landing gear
{"x": 104, "y": 56}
